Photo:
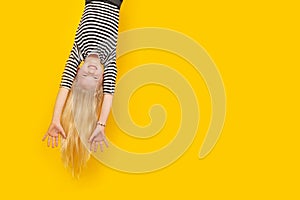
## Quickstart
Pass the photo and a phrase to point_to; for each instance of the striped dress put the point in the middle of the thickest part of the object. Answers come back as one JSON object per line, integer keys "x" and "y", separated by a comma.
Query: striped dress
{"x": 97, "y": 33}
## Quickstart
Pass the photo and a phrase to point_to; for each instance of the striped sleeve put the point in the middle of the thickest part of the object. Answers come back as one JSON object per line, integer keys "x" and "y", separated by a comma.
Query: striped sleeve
{"x": 71, "y": 66}
{"x": 110, "y": 74}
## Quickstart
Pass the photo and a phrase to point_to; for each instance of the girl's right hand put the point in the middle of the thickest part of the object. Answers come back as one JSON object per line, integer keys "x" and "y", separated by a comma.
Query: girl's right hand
{"x": 53, "y": 133}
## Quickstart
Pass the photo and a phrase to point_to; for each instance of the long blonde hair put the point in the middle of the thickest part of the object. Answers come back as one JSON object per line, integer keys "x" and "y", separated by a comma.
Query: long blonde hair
{"x": 79, "y": 120}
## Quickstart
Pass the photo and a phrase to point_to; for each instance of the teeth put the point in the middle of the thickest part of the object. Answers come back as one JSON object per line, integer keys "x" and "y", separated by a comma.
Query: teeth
{"x": 92, "y": 66}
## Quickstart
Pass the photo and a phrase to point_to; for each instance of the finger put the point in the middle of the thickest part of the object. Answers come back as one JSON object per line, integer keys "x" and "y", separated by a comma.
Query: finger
{"x": 56, "y": 141}
{"x": 53, "y": 142}
{"x": 101, "y": 147}
{"x": 91, "y": 139}
{"x": 91, "y": 146}
{"x": 62, "y": 132}
{"x": 95, "y": 146}
{"x": 44, "y": 137}
{"x": 105, "y": 142}
{"x": 48, "y": 141}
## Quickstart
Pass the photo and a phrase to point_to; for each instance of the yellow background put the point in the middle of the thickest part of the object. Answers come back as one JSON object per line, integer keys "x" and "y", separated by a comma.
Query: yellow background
{"x": 255, "y": 45}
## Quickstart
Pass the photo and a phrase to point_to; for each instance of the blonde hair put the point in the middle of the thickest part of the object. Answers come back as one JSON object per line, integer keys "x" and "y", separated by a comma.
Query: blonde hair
{"x": 79, "y": 120}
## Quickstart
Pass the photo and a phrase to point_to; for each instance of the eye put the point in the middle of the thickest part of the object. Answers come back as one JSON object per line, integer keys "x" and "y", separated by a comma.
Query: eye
{"x": 84, "y": 75}
{"x": 95, "y": 77}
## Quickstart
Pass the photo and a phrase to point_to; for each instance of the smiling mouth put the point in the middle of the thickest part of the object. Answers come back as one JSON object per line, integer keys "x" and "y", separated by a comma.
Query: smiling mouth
{"x": 93, "y": 67}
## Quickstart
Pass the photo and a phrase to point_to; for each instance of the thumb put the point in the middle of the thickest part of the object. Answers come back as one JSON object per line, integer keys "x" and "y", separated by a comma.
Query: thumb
{"x": 62, "y": 132}
{"x": 91, "y": 138}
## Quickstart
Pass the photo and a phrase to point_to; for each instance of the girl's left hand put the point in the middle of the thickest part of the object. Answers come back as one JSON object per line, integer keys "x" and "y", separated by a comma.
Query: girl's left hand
{"x": 96, "y": 139}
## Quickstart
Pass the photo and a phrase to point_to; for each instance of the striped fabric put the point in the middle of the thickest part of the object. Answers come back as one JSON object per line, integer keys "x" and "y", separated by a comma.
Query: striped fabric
{"x": 97, "y": 33}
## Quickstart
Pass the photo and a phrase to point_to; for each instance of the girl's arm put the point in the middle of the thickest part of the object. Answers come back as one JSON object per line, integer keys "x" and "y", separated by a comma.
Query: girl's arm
{"x": 59, "y": 104}
{"x": 67, "y": 79}
{"x": 109, "y": 82}
{"x": 106, "y": 106}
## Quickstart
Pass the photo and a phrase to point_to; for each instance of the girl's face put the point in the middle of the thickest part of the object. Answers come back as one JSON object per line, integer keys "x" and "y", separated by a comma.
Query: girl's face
{"x": 90, "y": 74}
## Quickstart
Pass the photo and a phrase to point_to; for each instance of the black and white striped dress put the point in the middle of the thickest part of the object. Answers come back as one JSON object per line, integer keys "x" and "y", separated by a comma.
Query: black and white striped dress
{"x": 97, "y": 33}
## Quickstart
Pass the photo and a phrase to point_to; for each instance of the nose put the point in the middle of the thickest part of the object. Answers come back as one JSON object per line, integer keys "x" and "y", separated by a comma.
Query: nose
{"x": 91, "y": 71}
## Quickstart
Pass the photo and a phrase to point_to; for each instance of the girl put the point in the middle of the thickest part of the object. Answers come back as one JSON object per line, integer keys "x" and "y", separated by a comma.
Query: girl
{"x": 85, "y": 96}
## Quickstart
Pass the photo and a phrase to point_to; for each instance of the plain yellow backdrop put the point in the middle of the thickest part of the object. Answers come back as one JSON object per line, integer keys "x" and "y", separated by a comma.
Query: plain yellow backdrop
{"x": 255, "y": 45}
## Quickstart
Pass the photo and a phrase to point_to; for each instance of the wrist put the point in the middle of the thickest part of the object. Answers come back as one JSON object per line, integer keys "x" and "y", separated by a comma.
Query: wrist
{"x": 101, "y": 124}
{"x": 56, "y": 120}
